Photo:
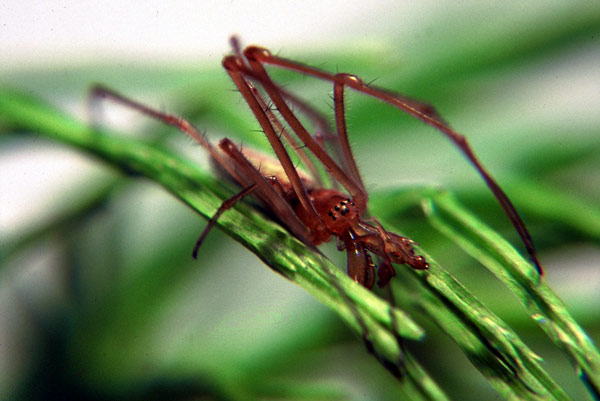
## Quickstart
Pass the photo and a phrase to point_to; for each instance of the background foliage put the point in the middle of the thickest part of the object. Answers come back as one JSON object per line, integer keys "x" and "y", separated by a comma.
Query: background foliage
{"x": 104, "y": 301}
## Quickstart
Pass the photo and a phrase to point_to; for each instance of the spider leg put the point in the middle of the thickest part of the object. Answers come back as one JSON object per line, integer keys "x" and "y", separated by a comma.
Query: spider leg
{"x": 235, "y": 67}
{"x": 340, "y": 123}
{"x": 422, "y": 111}
{"x": 265, "y": 191}
{"x": 359, "y": 263}
{"x": 323, "y": 133}
{"x": 229, "y": 158}
{"x": 100, "y": 92}
{"x": 286, "y": 135}
{"x": 226, "y": 205}
{"x": 258, "y": 72}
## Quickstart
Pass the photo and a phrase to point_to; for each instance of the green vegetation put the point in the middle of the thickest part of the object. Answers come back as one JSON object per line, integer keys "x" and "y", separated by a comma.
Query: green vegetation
{"x": 136, "y": 318}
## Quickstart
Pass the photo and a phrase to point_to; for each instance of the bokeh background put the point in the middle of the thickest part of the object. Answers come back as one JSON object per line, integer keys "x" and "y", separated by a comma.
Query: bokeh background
{"x": 108, "y": 304}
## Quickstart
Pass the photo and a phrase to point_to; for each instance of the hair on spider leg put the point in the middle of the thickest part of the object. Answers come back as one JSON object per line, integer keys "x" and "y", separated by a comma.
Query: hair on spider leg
{"x": 270, "y": 107}
{"x": 371, "y": 81}
{"x": 298, "y": 147}
{"x": 330, "y": 105}
{"x": 281, "y": 130}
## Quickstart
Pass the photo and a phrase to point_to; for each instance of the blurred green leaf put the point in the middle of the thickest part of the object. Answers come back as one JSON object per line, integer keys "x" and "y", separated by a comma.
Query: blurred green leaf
{"x": 548, "y": 167}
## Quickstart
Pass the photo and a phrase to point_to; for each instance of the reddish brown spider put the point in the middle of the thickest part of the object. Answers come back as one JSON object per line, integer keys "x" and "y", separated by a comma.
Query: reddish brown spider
{"x": 310, "y": 212}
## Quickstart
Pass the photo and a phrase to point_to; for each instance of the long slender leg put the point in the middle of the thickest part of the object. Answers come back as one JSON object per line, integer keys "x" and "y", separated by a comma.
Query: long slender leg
{"x": 340, "y": 123}
{"x": 286, "y": 135}
{"x": 231, "y": 160}
{"x": 226, "y": 205}
{"x": 266, "y": 191}
{"x": 423, "y": 112}
{"x": 323, "y": 134}
{"x": 102, "y": 92}
{"x": 323, "y": 131}
{"x": 234, "y": 66}
{"x": 257, "y": 72}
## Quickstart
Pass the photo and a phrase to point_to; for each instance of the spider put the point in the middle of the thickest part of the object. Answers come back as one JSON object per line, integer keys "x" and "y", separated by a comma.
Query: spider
{"x": 311, "y": 212}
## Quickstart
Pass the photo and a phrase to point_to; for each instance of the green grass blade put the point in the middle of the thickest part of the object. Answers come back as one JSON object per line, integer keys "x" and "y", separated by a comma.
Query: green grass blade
{"x": 492, "y": 346}
{"x": 521, "y": 278}
{"x": 277, "y": 248}
{"x": 511, "y": 367}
